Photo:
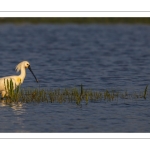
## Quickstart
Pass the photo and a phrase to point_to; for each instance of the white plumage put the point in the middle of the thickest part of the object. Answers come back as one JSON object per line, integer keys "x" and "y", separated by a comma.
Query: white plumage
{"x": 17, "y": 80}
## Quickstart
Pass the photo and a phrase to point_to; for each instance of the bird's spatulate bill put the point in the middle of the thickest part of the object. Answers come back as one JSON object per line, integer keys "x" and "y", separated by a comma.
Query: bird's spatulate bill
{"x": 32, "y": 73}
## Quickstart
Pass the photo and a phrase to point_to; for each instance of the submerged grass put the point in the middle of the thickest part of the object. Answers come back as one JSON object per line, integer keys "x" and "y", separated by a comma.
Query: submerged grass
{"x": 74, "y": 95}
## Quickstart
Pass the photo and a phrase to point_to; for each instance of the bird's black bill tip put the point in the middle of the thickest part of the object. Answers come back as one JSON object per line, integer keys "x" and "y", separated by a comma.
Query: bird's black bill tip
{"x": 33, "y": 74}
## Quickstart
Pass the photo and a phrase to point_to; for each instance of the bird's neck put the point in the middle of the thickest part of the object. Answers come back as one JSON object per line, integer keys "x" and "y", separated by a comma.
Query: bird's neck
{"x": 22, "y": 74}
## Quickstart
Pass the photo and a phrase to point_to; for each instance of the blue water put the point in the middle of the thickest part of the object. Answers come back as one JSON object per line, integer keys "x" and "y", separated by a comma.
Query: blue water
{"x": 62, "y": 56}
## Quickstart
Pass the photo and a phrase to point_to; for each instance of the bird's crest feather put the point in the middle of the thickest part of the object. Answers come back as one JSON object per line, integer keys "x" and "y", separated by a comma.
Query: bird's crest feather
{"x": 18, "y": 67}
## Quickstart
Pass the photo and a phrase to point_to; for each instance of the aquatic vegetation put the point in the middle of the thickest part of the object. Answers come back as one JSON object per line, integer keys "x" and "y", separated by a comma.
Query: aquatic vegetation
{"x": 74, "y": 95}
{"x": 12, "y": 90}
{"x": 77, "y": 20}
{"x": 145, "y": 92}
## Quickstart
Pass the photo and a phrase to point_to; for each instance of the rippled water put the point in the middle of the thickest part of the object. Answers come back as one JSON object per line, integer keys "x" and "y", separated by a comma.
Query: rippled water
{"x": 97, "y": 56}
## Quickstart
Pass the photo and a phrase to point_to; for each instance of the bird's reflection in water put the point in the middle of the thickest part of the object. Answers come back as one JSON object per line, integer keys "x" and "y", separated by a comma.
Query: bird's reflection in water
{"x": 16, "y": 107}
{"x": 17, "y": 112}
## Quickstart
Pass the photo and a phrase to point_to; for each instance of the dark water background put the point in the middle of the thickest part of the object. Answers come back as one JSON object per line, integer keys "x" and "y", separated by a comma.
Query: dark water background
{"x": 62, "y": 56}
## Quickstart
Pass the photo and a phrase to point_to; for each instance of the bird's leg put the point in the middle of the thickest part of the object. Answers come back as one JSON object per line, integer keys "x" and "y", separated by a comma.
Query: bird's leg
{"x": 3, "y": 94}
{"x": 2, "y": 97}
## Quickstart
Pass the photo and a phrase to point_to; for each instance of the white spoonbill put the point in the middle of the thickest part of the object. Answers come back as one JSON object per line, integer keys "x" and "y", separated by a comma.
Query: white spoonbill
{"x": 17, "y": 80}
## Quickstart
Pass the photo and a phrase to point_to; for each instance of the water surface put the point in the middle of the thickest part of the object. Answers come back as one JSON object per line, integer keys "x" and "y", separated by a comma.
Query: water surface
{"x": 63, "y": 56}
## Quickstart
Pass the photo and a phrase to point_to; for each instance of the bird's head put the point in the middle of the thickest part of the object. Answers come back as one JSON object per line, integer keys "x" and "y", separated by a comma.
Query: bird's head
{"x": 25, "y": 64}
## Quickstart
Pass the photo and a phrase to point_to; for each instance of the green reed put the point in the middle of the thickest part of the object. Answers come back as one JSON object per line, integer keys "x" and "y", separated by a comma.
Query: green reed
{"x": 73, "y": 95}
{"x": 145, "y": 92}
{"x": 12, "y": 91}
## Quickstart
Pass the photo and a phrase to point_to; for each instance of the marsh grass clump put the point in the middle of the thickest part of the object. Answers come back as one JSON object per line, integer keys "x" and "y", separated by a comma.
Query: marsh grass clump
{"x": 12, "y": 91}
{"x": 72, "y": 95}
{"x": 145, "y": 92}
